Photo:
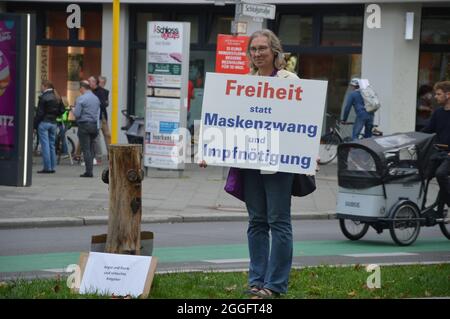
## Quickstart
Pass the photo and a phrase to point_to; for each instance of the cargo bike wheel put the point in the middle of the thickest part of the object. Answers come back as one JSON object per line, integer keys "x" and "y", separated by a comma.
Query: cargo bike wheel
{"x": 405, "y": 224}
{"x": 445, "y": 224}
{"x": 353, "y": 229}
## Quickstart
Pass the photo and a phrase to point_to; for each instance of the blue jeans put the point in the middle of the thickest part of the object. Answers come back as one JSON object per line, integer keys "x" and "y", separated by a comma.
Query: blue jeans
{"x": 268, "y": 201}
{"x": 366, "y": 121}
{"x": 47, "y": 136}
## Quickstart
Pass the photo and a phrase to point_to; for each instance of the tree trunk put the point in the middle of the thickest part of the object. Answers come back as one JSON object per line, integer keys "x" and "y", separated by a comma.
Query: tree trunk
{"x": 125, "y": 189}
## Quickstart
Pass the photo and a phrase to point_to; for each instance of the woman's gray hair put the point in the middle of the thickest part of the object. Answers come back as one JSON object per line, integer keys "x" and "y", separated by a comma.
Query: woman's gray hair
{"x": 275, "y": 45}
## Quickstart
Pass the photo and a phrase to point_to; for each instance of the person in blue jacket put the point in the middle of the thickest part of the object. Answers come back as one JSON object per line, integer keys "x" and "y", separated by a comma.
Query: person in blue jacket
{"x": 363, "y": 118}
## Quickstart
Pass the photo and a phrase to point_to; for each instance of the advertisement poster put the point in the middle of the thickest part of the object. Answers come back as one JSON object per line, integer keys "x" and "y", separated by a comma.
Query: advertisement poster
{"x": 257, "y": 122}
{"x": 231, "y": 54}
{"x": 7, "y": 86}
{"x": 166, "y": 74}
{"x": 165, "y": 45}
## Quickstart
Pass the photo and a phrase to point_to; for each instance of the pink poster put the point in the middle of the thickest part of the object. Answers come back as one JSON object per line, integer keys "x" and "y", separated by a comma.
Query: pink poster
{"x": 8, "y": 82}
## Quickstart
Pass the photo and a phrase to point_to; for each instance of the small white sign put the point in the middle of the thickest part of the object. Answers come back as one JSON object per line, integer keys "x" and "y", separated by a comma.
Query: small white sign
{"x": 258, "y": 122}
{"x": 116, "y": 274}
{"x": 265, "y": 11}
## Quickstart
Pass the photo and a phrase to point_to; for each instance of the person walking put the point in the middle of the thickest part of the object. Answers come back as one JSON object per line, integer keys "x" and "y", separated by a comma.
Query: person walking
{"x": 49, "y": 108}
{"x": 363, "y": 118}
{"x": 87, "y": 114}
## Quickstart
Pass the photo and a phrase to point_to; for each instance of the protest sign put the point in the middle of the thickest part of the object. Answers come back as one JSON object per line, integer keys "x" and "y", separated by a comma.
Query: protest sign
{"x": 266, "y": 123}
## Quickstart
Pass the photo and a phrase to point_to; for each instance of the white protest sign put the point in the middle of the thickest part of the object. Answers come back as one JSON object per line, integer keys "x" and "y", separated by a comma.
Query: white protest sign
{"x": 116, "y": 274}
{"x": 257, "y": 122}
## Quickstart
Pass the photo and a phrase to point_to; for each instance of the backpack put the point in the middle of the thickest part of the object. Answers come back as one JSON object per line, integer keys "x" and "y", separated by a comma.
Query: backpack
{"x": 371, "y": 101}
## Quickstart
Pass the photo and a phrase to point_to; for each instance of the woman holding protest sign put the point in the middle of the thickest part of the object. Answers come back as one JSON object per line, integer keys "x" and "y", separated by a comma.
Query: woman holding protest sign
{"x": 267, "y": 195}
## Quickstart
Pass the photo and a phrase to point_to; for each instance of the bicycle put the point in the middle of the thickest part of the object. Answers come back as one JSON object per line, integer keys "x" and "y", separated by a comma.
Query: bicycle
{"x": 66, "y": 125}
{"x": 331, "y": 139}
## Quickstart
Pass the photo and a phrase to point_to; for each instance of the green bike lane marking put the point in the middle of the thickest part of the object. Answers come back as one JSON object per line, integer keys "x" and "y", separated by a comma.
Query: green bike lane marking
{"x": 22, "y": 263}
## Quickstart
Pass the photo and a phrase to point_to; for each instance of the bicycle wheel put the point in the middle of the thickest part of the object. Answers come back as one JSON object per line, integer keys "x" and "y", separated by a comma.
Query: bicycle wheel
{"x": 445, "y": 226}
{"x": 328, "y": 147}
{"x": 405, "y": 226}
{"x": 70, "y": 146}
{"x": 353, "y": 229}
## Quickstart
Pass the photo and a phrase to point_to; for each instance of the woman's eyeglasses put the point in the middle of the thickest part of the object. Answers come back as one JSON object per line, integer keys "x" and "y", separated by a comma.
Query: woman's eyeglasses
{"x": 261, "y": 49}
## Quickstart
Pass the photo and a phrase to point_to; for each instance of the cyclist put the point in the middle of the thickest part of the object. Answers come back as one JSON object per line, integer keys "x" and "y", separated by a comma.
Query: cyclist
{"x": 363, "y": 118}
{"x": 440, "y": 124}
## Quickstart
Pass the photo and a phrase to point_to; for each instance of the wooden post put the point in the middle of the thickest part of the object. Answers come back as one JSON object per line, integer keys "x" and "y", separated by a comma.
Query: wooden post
{"x": 125, "y": 189}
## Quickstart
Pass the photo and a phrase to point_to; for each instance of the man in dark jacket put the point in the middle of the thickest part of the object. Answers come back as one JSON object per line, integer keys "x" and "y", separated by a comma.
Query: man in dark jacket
{"x": 102, "y": 95}
{"x": 440, "y": 124}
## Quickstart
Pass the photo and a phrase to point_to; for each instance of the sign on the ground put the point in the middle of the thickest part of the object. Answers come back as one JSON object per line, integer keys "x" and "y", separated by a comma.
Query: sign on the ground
{"x": 121, "y": 275}
{"x": 257, "y": 122}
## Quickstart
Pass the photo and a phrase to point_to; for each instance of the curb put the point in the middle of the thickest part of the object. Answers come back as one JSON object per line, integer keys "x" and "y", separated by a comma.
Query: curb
{"x": 43, "y": 222}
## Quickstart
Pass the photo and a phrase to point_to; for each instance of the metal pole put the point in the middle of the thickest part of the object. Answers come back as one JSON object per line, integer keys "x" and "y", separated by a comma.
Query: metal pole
{"x": 115, "y": 72}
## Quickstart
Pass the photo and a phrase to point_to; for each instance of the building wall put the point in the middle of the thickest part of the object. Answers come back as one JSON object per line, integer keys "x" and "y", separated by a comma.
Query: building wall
{"x": 390, "y": 63}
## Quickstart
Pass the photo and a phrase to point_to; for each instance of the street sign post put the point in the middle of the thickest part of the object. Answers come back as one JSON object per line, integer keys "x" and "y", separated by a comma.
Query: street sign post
{"x": 258, "y": 10}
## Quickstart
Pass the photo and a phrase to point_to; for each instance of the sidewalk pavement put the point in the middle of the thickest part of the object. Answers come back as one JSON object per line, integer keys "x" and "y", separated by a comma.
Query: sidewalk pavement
{"x": 196, "y": 194}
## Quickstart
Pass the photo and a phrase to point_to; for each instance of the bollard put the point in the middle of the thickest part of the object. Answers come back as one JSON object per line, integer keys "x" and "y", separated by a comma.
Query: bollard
{"x": 125, "y": 204}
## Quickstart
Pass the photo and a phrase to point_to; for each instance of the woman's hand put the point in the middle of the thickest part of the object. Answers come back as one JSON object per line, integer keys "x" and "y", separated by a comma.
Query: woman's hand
{"x": 203, "y": 164}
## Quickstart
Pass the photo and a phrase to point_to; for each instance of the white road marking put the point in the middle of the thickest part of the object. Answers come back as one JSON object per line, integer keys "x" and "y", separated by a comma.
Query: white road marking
{"x": 380, "y": 254}
{"x": 227, "y": 261}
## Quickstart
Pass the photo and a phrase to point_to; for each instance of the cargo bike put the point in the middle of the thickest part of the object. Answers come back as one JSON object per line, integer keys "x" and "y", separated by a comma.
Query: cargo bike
{"x": 383, "y": 184}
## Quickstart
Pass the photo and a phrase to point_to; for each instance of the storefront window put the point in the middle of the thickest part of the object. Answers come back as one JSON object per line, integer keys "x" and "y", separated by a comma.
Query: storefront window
{"x": 91, "y": 26}
{"x": 221, "y": 25}
{"x": 434, "y": 67}
{"x": 140, "y": 83}
{"x": 337, "y": 69}
{"x": 143, "y": 18}
{"x": 55, "y": 25}
{"x": 342, "y": 30}
{"x": 193, "y": 19}
{"x": 65, "y": 67}
{"x": 296, "y": 30}
{"x": 436, "y": 29}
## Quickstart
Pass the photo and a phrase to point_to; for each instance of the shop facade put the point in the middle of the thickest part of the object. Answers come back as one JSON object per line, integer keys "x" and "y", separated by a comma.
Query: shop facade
{"x": 332, "y": 42}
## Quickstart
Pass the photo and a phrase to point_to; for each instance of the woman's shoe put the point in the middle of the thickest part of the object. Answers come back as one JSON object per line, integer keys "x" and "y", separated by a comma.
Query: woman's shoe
{"x": 265, "y": 293}
{"x": 252, "y": 290}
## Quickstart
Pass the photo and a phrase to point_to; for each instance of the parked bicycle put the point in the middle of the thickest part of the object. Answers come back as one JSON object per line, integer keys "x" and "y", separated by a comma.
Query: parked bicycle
{"x": 134, "y": 128}
{"x": 70, "y": 144}
{"x": 336, "y": 135}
